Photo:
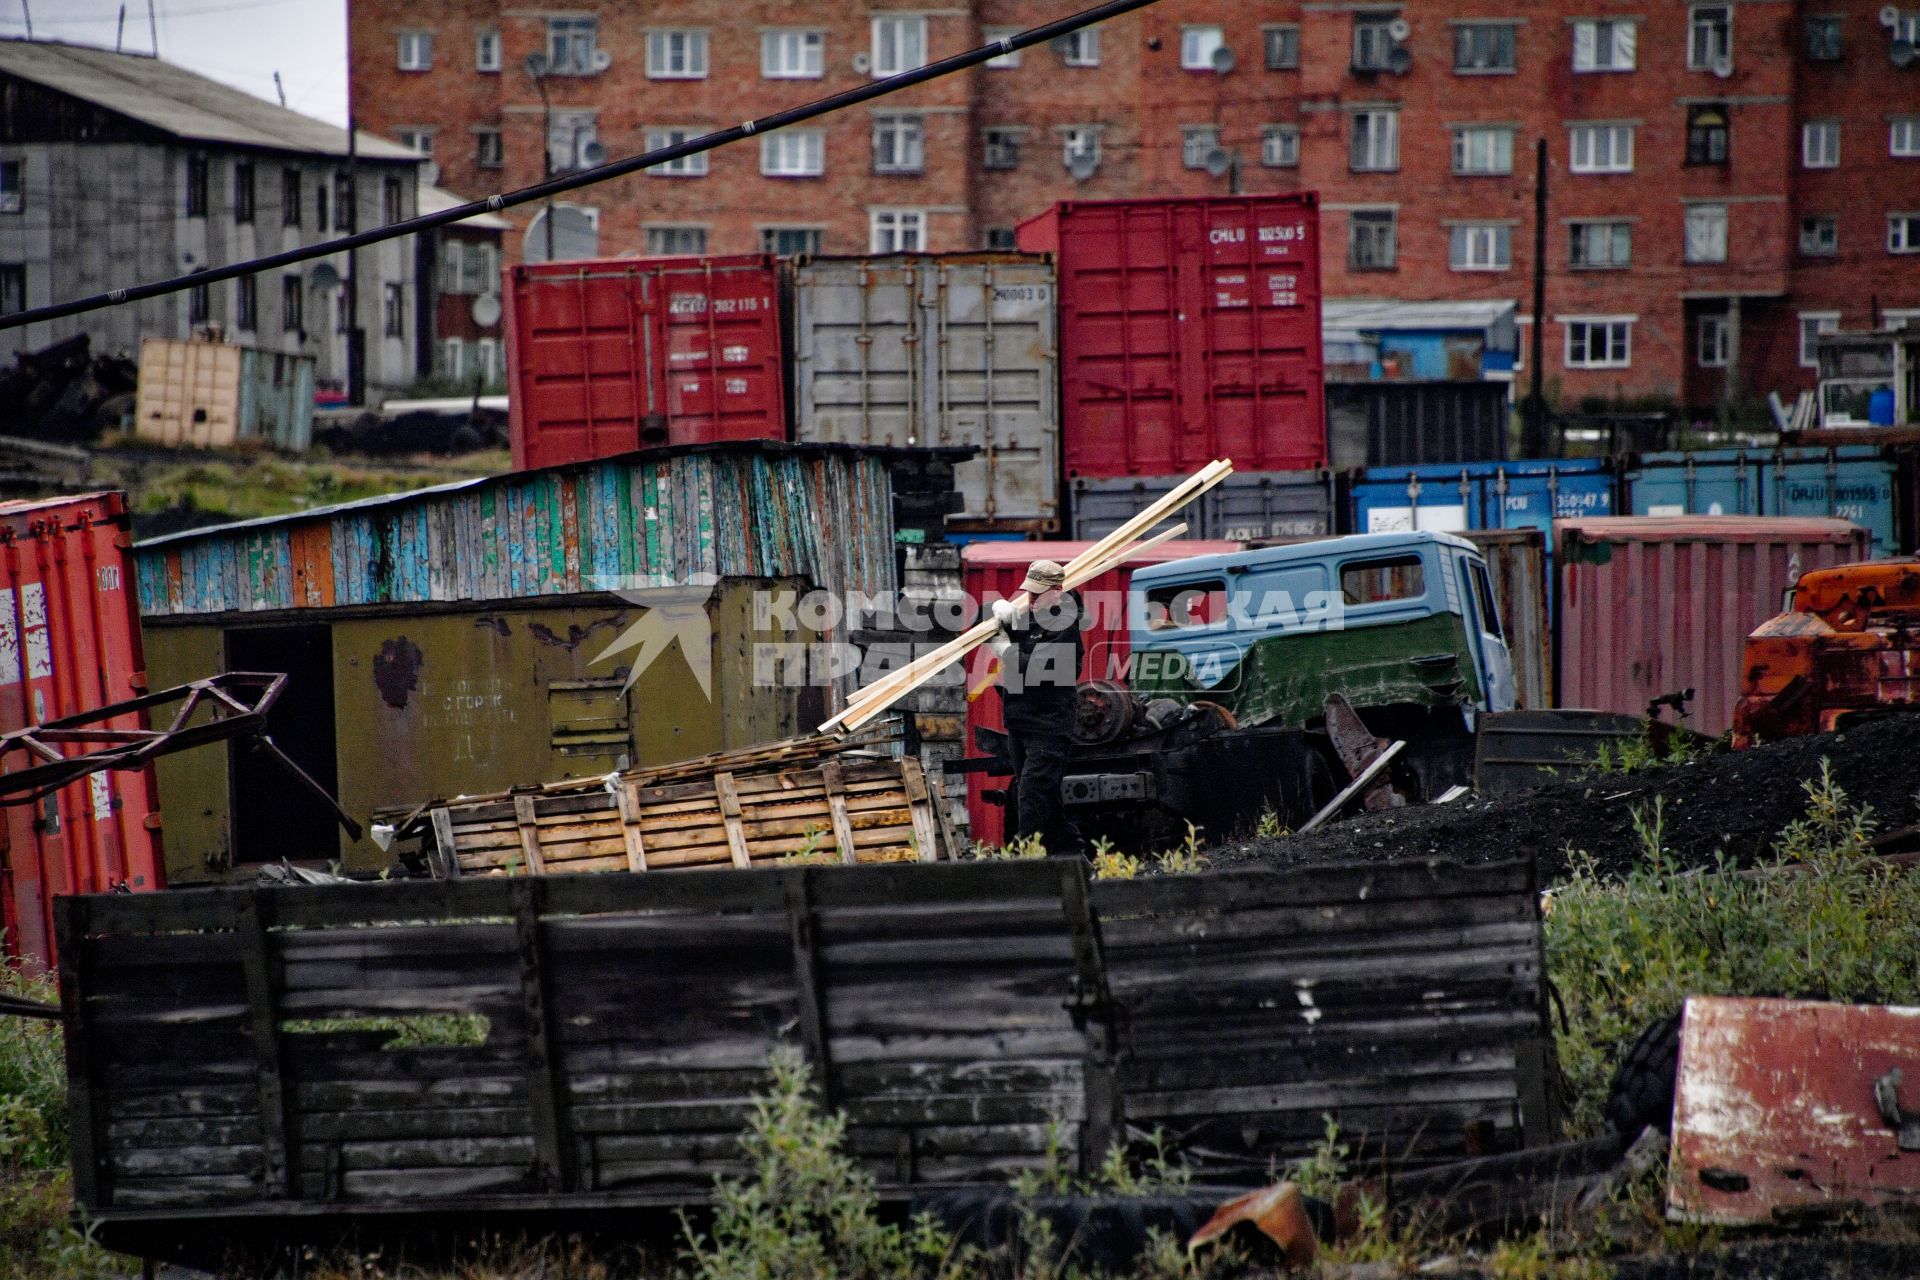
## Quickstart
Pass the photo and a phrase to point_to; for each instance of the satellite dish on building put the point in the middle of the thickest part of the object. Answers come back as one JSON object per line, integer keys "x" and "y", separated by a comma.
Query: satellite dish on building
{"x": 593, "y": 154}
{"x": 324, "y": 276}
{"x": 1723, "y": 68}
{"x": 862, "y": 63}
{"x": 1399, "y": 29}
{"x": 429, "y": 172}
{"x": 486, "y": 310}
{"x": 1082, "y": 165}
{"x": 537, "y": 65}
{"x": 1217, "y": 162}
{"x": 1399, "y": 62}
{"x": 1890, "y": 16}
{"x": 1223, "y": 60}
{"x": 575, "y": 235}
{"x": 1902, "y": 52}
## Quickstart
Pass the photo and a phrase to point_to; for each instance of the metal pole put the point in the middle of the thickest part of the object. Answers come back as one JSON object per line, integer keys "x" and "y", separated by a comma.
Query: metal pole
{"x": 546, "y": 152}
{"x": 153, "y": 28}
{"x": 26, "y": 11}
{"x": 356, "y": 375}
{"x": 1536, "y": 421}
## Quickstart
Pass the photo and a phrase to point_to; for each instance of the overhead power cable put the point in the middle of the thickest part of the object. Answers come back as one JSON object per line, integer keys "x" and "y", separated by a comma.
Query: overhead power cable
{"x": 587, "y": 177}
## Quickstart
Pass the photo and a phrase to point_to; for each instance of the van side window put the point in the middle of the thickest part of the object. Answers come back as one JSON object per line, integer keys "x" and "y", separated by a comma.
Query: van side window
{"x": 1186, "y": 604}
{"x": 1389, "y": 578}
{"x": 1483, "y": 594}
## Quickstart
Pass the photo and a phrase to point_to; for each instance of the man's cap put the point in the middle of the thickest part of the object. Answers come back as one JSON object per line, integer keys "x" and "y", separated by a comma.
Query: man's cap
{"x": 1044, "y": 576}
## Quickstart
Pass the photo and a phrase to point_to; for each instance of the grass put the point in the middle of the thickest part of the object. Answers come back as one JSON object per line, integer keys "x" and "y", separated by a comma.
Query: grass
{"x": 242, "y": 488}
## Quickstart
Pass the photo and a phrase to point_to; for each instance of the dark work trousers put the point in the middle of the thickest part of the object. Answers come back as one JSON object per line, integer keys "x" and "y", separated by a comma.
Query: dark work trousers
{"x": 1039, "y": 763}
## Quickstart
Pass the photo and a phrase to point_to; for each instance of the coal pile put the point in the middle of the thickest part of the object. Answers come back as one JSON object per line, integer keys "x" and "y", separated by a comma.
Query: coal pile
{"x": 1736, "y": 801}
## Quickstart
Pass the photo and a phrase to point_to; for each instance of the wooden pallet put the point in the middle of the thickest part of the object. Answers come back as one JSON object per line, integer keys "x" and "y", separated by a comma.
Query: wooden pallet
{"x": 844, "y": 809}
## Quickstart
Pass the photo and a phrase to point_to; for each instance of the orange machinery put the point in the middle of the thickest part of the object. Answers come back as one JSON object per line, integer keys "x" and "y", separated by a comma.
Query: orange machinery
{"x": 1848, "y": 646}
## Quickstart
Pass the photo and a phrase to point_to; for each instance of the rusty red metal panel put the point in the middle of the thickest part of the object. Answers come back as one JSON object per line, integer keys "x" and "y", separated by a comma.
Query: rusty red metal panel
{"x": 993, "y": 571}
{"x": 1776, "y": 1110}
{"x": 69, "y": 643}
{"x": 604, "y": 357}
{"x": 1189, "y": 331}
{"x": 1649, "y": 605}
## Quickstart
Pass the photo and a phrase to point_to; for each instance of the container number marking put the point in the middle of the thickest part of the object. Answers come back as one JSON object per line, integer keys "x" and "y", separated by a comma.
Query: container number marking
{"x": 109, "y": 577}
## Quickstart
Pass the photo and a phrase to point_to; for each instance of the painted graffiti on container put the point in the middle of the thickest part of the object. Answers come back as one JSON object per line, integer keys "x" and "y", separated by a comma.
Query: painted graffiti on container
{"x": 396, "y": 670}
{"x": 576, "y": 634}
{"x": 30, "y": 615}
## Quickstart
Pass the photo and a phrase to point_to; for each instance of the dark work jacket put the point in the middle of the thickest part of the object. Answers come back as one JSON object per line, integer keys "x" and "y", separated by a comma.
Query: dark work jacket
{"x": 1041, "y": 675}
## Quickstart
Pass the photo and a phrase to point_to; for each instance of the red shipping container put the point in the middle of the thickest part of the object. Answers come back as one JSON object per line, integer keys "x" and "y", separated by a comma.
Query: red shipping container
{"x": 993, "y": 571}
{"x": 605, "y": 357}
{"x": 70, "y": 642}
{"x": 1189, "y": 331}
{"x": 1649, "y": 605}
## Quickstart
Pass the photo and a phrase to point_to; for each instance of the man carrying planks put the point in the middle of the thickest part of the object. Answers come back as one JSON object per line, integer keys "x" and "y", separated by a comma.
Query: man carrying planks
{"x": 1037, "y": 641}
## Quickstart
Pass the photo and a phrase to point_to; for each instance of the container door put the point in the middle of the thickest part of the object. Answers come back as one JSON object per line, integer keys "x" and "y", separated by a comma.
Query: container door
{"x": 1483, "y": 615}
{"x": 1854, "y": 483}
{"x": 1435, "y": 499}
{"x": 723, "y": 359}
{"x": 1716, "y": 482}
{"x": 857, "y": 357}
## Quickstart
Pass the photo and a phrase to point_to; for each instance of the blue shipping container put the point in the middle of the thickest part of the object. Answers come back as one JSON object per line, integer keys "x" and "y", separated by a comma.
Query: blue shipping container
{"x": 1480, "y": 495}
{"x": 1852, "y": 482}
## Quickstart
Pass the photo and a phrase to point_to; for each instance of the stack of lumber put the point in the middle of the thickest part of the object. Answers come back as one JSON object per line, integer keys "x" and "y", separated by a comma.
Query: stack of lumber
{"x": 812, "y": 799}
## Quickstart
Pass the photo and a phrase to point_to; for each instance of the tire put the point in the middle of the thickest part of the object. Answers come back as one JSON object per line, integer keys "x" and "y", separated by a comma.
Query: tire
{"x": 1641, "y": 1095}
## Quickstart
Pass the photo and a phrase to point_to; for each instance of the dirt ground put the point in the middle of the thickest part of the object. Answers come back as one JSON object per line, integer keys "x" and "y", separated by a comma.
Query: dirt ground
{"x": 1783, "y": 1260}
{"x": 1736, "y": 801}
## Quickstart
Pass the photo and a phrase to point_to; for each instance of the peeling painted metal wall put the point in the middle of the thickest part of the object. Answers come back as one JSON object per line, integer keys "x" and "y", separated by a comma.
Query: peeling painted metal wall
{"x": 1517, "y": 564}
{"x": 822, "y": 514}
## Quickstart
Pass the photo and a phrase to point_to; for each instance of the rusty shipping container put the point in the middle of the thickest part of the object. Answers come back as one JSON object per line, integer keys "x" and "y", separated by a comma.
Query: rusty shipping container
{"x": 1517, "y": 563}
{"x": 954, "y": 349}
{"x": 70, "y": 642}
{"x": 992, "y": 571}
{"x": 1649, "y": 605}
{"x": 608, "y": 356}
{"x": 1189, "y": 331}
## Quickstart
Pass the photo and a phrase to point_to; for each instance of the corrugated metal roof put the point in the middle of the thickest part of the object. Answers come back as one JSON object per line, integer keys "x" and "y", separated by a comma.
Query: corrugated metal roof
{"x": 180, "y": 102}
{"x": 438, "y": 199}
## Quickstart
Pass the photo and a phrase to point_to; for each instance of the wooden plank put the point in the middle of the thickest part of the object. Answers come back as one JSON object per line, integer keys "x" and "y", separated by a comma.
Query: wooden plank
{"x": 925, "y": 829}
{"x": 835, "y": 782}
{"x": 278, "y": 1158}
{"x": 448, "y": 863}
{"x": 84, "y": 1113}
{"x": 630, "y": 826}
{"x": 730, "y": 811}
{"x": 943, "y": 811}
{"x": 553, "y": 1144}
{"x": 806, "y": 976}
{"x": 529, "y": 834}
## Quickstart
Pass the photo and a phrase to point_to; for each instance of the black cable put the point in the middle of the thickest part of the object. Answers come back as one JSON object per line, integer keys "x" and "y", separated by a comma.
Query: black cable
{"x": 588, "y": 177}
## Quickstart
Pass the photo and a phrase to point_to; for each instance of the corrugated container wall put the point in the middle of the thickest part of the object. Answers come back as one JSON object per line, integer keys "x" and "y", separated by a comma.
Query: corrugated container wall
{"x": 1246, "y": 507}
{"x": 1453, "y": 497}
{"x": 1517, "y": 563}
{"x": 1648, "y": 605}
{"x": 70, "y": 642}
{"x": 1851, "y": 482}
{"x": 1189, "y": 331}
{"x": 1390, "y": 424}
{"x": 604, "y": 357}
{"x": 210, "y": 395}
{"x": 916, "y": 351}
{"x": 993, "y": 571}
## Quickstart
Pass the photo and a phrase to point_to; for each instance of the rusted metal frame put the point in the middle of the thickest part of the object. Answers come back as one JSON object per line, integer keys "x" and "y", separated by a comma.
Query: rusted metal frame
{"x": 72, "y": 918}
{"x": 811, "y": 992}
{"x": 554, "y": 1166}
{"x": 351, "y": 825}
{"x": 250, "y": 923}
{"x": 1091, "y": 1005}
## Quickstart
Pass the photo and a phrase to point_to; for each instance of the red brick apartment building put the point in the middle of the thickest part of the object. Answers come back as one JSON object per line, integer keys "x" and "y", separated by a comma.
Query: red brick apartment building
{"x": 1724, "y": 178}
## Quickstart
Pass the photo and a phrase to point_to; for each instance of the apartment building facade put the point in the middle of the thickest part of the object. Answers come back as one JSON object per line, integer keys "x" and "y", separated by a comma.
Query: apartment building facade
{"x": 1724, "y": 179}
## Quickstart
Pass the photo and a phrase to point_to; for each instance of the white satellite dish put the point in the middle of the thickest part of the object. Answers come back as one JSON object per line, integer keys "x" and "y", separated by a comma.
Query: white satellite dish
{"x": 486, "y": 310}
{"x": 602, "y": 59}
{"x": 593, "y": 154}
{"x": 1217, "y": 162}
{"x": 324, "y": 276}
{"x": 1223, "y": 60}
{"x": 1723, "y": 67}
{"x": 537, "y": 65}
{"x": 862, "y": 63}
{"x": 1890, "y": 16}
{"x": 1399, "y": 29}
{"x": 429, "y": 172}
{"x": 1082, "y": 165}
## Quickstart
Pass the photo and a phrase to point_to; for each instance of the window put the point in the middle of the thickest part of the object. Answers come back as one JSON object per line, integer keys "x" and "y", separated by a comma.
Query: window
{"x": 1197, "y": 142}
{"x": 1187, "y": 604}
{"x": 1711, "y": 343}
{"x": 1707, "y": 135}
{"x": 320, "y": 206}
{"x": 1080, "y": 143}
{"x": 1812, "y": 325}
{"x": 897, "y": 231}
{"x": 570, "y": 134}
{"x": 1003, "y": 148}
{"x": 12, "y": 195}
{"x": 489, "y": 151}
{"x": 1819, "y": 236}
{"x": 1479, "y": 150}
{"x": 794, "y": 153}
{"x": 480, "y": 269}
{"x": 676, "y": 55}
{"x": 1373, "y": 42}
{"x": 899, "y": 43}
{"x": 1903, "y": 233}
{"x": 1823, "y": 39}
{"x": 667, "y": 242}
{"x": 487, "y": 358}
{"x": 346, "y": 215}
{"x": 1283, "y": 48}
{"x": 416, "y": 50}
{"x": 1603, "y": 45}
{"x": 571, "y": 46}
{"x": 1483, "y": 48}
{"x": 1198, "y": 45}
{"x": 1709, "y": 37}
{"x": 1280, "y": 146}
{"x": 1481, "y": 248}
{"x": 392, "y": 202}
{"x": 793, "y": 55}
{"x": 899, "y": 144}
{"x": 13, "y": 288}
{"x": 453, "y": 255}
{"x": 1602, "y": 148}
{"x": 1903, "y": 137}
{"x": 453, "y": 358}
{"x": 1376, "y": 141}
{"x": 290, "y": 197}
{"x": 789, "y": 240}
{"x": 486, "y": 49}
{"x": 292, "y": 294}
{"x": 1595, "y": 246}
{"x": 1002, "y": 239}
{"x": 393, "y": 310}
{"x": 1899, "y": 318}
{"x": 1081, "y": 48}
{"x": 243, "y": 192}
{"x": 693, "y": 166}
{"x": 196, "y": 186}
{"x": 1004, "y": 61}
{"x": 246, "y": 304}
{"x": 1820, "y": 144}
{"x": 418, "y": 140}
{"x": 1374, "y": 581}
{"x": 1370, "y": 240}
{"x": 197, "y": 305}
{"x": 1599, "y": 343}
{"x": 1706, "y": 233}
